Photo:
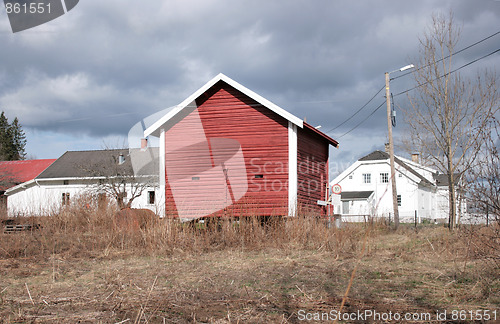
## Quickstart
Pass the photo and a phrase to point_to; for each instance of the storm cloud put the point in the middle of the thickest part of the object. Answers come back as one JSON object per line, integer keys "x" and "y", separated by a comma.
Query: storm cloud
{"x": 99, "y": 69}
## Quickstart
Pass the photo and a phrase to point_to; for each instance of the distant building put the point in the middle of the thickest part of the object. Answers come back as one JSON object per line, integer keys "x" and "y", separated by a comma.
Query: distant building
{"x": 223, "y": 151}
{"x": 84, "y": 172}
{"x": 367, "y": 192}
{"x": 13, "y": 173}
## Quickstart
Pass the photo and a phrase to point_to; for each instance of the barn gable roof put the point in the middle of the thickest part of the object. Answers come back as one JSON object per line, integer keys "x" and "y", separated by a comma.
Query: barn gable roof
{"x": 189, "y": 102}
{"x": 320, "y": 133}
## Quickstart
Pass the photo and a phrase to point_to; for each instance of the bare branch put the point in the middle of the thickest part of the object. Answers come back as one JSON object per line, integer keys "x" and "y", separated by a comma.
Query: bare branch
{"x": 448, "y": 115}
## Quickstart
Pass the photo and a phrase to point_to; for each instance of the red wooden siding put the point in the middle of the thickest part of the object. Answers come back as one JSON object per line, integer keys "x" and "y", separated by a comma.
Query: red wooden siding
{"x": 312, "y": 169}
{"x": 226, "y": 113}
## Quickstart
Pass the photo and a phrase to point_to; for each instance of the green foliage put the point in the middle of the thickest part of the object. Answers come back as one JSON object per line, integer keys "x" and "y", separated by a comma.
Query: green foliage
{"x": 12, "y": 139}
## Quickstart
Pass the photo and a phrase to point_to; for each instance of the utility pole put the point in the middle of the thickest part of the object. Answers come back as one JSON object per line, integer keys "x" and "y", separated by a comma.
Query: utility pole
{"x": 391, "y": 144}
{"x": 391, "y": 152}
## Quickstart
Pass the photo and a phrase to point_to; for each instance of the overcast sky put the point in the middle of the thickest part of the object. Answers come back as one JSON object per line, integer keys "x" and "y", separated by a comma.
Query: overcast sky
{"x": 84, "y": 79}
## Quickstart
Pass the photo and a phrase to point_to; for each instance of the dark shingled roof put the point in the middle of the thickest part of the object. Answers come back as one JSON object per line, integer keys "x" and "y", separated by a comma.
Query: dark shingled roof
{"x": 350, "y": 195}
{"x": 442, "y": 179}
{"x": 375, "y": 156}
{"x": 102, "y": 163}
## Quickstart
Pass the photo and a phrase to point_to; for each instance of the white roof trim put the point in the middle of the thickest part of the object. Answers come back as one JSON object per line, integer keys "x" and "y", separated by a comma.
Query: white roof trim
{"x": 399, "y": 170}
{"x": 345, "y": 173}
{"x": 155, "y": 128}
{"x": 22, "y": 185}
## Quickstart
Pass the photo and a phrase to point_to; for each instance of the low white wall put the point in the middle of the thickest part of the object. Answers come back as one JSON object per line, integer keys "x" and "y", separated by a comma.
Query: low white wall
{"x": 46, "y": 199}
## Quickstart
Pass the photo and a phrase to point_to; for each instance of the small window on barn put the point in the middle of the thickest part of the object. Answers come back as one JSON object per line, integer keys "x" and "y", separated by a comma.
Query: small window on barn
{"x": 350, "y": 176}
{"x": 195, "y": 178}
{"x": 66, "y": 182}
{"x": 65, "y": 198}
{"x": 384, "y": 177}
{"x": 367, "y": 178}
{"x": 399, "y": 200}
{"x": 259, "y": 176}
{"x": 151, "y": 197}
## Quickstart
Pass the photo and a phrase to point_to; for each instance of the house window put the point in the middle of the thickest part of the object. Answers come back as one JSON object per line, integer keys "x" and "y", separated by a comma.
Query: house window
{"x": 350, "y": 176}
{"x": 65, "y": 198}
{"x": 384, "y": 177}
{"x": 151, "y": 197}
{"x": 66, "y": 182}
{"x": 367, "y": 178}
{"x": 399, "y": 200}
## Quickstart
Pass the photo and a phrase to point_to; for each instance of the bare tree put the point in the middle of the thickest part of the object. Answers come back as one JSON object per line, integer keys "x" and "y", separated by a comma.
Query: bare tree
{"x": 484, "y": 177}
{"x": 117, "y": 179}
{"x": 448, "y": 113}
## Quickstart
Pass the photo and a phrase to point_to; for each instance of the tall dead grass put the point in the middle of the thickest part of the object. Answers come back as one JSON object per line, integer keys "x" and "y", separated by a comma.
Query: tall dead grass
{"x": 483, "y": 243}
{"x": 89, "y": 231}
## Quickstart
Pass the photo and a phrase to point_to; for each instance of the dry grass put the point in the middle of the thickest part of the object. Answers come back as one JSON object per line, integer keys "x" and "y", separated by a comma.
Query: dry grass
{"x": 91, "y": 232}
{"x": 80, "y": 267}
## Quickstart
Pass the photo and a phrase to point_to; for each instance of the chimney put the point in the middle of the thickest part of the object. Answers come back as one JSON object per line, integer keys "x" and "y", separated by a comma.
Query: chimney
{"x": 386, "y": 147}
{"x": 121, "y": 159}
{"x": 144, "y": 143}
{"x": 414, "y": 157}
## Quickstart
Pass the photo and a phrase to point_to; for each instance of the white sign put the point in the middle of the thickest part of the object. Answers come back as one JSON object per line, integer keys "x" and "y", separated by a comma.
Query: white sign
{"x": 336, "y": 189}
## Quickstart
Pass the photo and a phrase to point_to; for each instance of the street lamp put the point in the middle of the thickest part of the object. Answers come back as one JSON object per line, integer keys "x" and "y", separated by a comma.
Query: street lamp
{"x": 391, "y": 144}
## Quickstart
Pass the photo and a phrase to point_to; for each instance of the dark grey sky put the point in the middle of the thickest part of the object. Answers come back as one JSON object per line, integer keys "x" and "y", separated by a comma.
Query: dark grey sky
{"x": 84, "y": 79}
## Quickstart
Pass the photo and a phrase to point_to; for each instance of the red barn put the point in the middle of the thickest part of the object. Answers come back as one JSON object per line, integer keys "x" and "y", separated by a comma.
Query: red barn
{"x": 226, "y": 150}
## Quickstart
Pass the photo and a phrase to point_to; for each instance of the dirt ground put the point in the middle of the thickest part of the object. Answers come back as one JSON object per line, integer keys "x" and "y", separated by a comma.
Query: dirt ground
{"x": 411, "y": 275}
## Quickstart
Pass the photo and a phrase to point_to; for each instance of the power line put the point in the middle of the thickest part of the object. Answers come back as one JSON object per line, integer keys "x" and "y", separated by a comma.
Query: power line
{"x": 375, "y": 110}
{"x": 444, "y": 58}
{"x": 446, "y": 74}
{"x": 403, "y": 92}
{"x": 366, "y": 104}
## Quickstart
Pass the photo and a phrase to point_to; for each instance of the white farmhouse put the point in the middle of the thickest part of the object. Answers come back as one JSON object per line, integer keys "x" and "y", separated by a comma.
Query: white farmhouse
{"x": 89, "y": 172}
{"x": 422, "y": 192}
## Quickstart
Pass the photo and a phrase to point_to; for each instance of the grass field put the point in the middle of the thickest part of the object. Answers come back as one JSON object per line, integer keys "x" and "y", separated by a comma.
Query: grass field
{"x": 79, "y": 268}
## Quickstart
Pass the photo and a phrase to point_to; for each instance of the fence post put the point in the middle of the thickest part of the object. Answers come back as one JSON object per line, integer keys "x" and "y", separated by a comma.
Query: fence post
{"x": 415, "y": 218}
{"x": 338, "y": 220}
{"x": 487, "y": 215}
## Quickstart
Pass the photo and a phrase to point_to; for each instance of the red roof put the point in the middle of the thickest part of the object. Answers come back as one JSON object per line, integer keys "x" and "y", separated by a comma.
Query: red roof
{"x": 16, "y": 172}
{"x": 320, "y": 133}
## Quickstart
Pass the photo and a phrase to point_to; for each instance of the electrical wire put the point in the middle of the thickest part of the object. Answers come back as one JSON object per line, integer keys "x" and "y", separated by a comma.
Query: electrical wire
{"x": 374, "y": 111}
{"x": 444, "y": 58}
{"x": 403, "y": 92}
{"x": 446, "y": 74}
{"x": 362, "y": 107}
{"x": 402, "y": 75}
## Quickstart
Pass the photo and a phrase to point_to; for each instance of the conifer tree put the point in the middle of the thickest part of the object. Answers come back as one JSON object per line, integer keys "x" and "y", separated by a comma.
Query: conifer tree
{"x": 12, "y": 140}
